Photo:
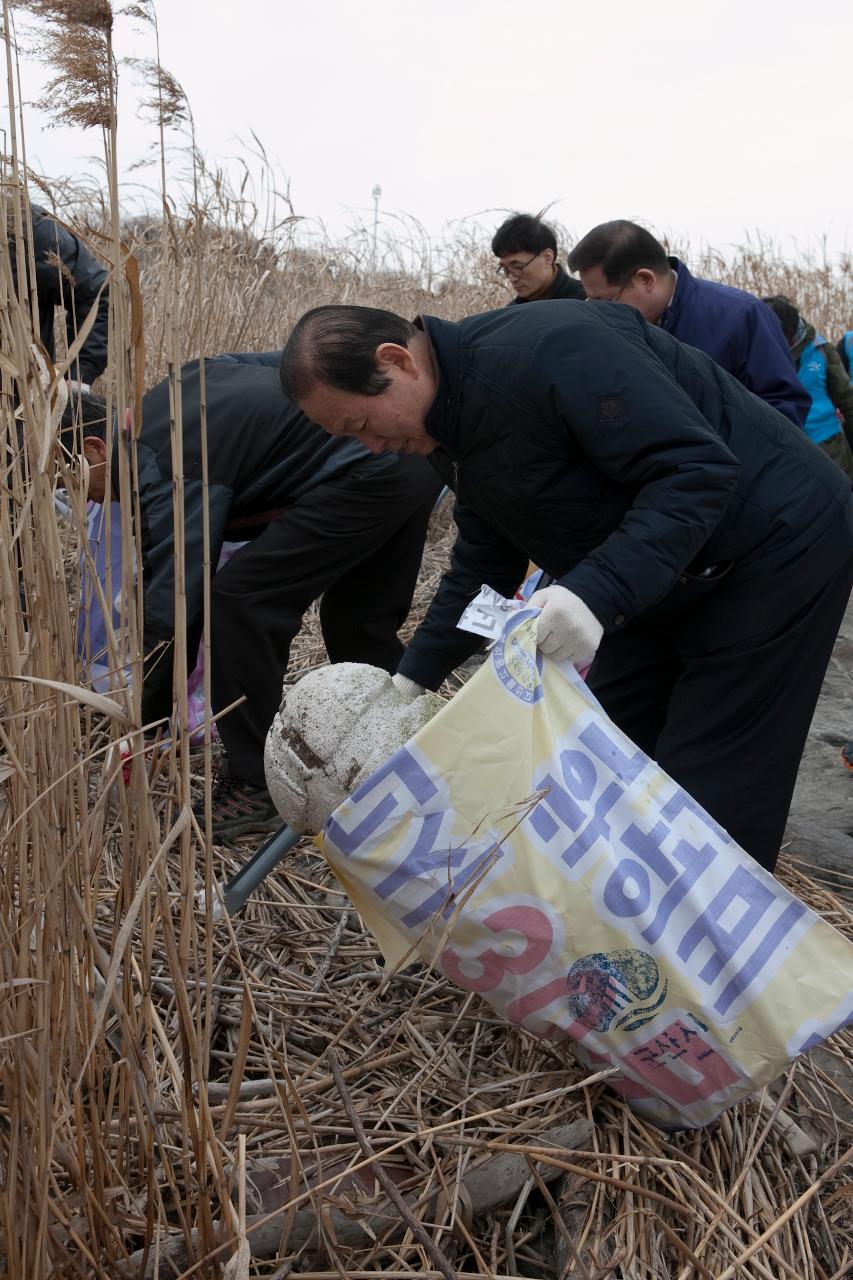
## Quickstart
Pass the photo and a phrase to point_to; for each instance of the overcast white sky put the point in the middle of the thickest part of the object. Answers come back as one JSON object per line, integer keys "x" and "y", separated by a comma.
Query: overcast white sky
{"x": 709, "y": 119}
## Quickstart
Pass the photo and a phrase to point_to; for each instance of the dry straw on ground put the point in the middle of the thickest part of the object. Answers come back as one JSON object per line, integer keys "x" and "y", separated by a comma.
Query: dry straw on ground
{"x": 175, "y": 1093}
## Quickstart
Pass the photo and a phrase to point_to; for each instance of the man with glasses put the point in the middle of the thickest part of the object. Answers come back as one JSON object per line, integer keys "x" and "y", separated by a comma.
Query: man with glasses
{"x": 622, "y": 262}
{"x": 526, "y": 249}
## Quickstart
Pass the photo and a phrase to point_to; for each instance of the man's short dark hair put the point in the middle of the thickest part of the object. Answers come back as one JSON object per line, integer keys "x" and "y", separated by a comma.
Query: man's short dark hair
{"x": 523, "y": 233}
{"x": 84, "y": 415}
{"x": 787, "y": 313}
{"x": 620, "y": 248}
{"x": 336, "y": 347}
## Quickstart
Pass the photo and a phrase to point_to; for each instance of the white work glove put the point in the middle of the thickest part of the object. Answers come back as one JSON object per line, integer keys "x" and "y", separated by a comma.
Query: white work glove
{"x": 567, "y": 630}
{"x": 410, "y": 689}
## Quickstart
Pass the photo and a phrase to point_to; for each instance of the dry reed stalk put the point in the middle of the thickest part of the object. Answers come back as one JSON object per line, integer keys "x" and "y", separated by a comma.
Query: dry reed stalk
{"x": 80, "y": 1135}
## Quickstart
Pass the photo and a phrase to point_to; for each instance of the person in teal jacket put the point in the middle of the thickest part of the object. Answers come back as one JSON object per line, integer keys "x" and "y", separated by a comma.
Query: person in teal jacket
{"x": 830, "y": 420}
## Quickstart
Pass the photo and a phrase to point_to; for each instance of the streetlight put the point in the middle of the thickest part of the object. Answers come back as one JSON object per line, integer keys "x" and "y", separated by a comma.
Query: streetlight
{"x": 377, "y": 192}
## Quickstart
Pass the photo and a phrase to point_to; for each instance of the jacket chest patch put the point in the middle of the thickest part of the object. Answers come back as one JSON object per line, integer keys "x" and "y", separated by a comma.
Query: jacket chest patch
{"x": 611, "y": 409}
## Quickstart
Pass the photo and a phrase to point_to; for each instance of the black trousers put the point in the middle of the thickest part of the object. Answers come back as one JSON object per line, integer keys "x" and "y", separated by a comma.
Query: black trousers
{"x": 719, "y": 682}
{"x": 357, "y": 542}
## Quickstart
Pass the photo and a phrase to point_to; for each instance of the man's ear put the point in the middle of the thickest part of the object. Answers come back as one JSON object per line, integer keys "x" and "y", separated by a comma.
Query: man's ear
{"x": 94, "y": 450}
{"x": 549, "y": 256}
{"x": 647, "y": 278}
{"x": 393, "y": 355}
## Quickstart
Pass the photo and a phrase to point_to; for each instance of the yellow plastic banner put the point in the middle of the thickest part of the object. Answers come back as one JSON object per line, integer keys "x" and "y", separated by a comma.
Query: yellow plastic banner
{"x": 528, "y": 850}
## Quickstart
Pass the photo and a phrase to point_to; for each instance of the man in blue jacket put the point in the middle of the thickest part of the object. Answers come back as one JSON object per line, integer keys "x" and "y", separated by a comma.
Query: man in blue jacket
{"x": 322, "y": 518}
{"x": 697, "y": 539}
{"x": 622, "y": 262}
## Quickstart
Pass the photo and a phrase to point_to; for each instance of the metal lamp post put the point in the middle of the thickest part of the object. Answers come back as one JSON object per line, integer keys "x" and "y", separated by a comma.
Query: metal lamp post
{"x": 377, "y": 192}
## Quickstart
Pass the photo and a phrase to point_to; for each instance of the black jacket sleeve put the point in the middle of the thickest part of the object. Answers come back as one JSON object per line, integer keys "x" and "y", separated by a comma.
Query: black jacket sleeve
{"x": 844, "y": 348}
{"x": 480, "y": 555}
{"x": 642, "y": 431}
{"x": 77, "y": 291}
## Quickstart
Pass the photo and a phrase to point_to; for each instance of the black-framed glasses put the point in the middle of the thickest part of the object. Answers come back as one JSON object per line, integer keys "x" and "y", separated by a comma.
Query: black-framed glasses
{"x": 516, "y": 269}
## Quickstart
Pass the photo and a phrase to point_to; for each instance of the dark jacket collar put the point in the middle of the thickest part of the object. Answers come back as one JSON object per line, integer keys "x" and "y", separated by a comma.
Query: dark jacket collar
{"x": 445, "y": 340}
{"x": 684, "y": 290}
{"x": 562, "y": 286}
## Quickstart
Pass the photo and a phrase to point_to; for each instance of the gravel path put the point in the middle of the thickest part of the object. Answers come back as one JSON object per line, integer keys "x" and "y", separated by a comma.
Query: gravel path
{"x": 820, "y": 825}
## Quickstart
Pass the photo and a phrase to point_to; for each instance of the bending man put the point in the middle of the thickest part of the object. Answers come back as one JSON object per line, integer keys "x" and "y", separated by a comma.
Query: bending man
{"x": 622, "y": 262}
{"x": 324, "y": 518}
{"x": 699, "y": 541}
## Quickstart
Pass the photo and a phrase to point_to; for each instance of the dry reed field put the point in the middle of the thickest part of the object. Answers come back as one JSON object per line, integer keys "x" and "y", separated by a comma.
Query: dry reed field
{"x": 259, "y": 1097}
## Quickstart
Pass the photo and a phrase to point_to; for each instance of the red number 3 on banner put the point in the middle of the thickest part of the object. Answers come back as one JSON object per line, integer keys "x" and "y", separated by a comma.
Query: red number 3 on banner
{"x": 533, "y": 926}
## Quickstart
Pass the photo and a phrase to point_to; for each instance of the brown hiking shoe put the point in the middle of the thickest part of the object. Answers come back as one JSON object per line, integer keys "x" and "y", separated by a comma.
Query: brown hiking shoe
{"x": 239, "y": 807}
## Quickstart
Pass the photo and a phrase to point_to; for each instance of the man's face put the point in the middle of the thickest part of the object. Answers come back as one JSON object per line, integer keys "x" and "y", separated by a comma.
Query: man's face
{"x": 391, "y": 421}
{"x": 95, "y": 452}
{"x": 528, "y": 273}
{"x": 645, "y": 290}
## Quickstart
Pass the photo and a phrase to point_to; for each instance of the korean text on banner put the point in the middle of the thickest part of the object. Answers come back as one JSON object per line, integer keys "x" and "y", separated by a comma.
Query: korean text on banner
{"x": 528, "y": 850}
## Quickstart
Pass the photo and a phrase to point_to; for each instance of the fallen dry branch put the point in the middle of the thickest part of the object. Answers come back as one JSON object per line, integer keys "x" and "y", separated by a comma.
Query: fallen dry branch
{"x": 486, "y": 1188}
{"x": 384, "y": 1179}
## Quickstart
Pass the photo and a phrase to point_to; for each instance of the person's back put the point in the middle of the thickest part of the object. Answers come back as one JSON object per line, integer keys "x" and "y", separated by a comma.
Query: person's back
{"x": 262, "y": 455}
{"x": 730, "y": 326}
{"x": 786, "y": 490}
{"x": 622, "y": 262}
{"x": 320, "y": 518}
{"x": 68, "y": 276}
{"x": 261, "y": 449}
{"x": 780, "y": 472}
